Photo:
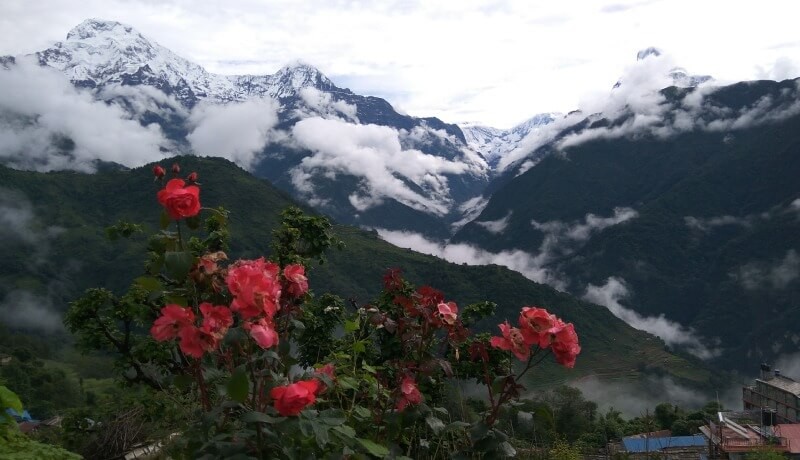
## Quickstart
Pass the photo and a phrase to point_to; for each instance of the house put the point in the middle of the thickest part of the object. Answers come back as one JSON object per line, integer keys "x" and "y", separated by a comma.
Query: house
{"x": 790, "y": 432}
{"x": 733, "y": 435}
{"x": 671, "y": 447}
{"x": 774, "y": 391}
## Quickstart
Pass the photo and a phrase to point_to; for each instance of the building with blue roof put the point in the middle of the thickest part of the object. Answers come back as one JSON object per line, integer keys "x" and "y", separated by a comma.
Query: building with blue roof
{"x": 646, "y": 445}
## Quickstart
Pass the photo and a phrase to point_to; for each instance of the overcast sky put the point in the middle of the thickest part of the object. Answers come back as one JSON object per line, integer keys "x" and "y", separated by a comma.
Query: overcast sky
{"x": 493, "y": 62}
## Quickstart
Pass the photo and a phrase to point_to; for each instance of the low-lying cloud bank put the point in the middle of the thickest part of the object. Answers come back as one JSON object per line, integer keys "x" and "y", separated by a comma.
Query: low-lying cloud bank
{"x": 47, "y": 124}
{"x": 672, "y": 333}
{"x": 520, "y": 261}
{"x": 562, "y": 238}
{"x": 19, "y": 226}
{"x": 238, "y": 131}
{"x": 22, "y": 309}
{"x": 634, "y": 398}
{"x": 374, "y": 154}
{"x": 772, "y": 274}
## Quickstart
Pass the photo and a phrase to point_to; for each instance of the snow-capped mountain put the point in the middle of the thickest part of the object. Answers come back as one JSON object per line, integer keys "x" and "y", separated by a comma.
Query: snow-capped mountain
{"x": 98, "y": 53}
{"x": 494, "y": 143}
{"x": 351, "y": 156}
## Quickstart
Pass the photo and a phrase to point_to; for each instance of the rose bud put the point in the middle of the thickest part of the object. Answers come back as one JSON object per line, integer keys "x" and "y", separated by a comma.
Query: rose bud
{"x": 192, "y": 177}
{"x": 176, "y": 169}
{"x": 158, "y": 171}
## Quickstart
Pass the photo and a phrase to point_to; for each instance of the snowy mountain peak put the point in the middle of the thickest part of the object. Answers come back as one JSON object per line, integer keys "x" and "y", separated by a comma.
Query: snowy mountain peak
{"x": 647, "y": 52}
{"x": 99, "y": 52}
{"x": 94, "y": 27}
{"x": 300, "y": 75}
{"x": 494, "y": 143}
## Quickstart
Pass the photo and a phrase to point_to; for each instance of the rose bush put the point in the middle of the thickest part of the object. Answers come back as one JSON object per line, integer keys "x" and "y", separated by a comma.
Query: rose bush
{"x": 266, "y": 369}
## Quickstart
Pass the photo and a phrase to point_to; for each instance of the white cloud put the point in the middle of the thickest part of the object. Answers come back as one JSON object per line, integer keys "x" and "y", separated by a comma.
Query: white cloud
{"x": 25, "y": 310}
{"x": 375, "y": 156}
{"x": 789, "y": 365}
{"x": 561, "y": 238}
{"x": 522, "y": 262}
{"x": 39, "y": 109}
{"x": 783, "y": 68}
{"x": 705, "y": 225}
{"x": 474, "y": 206}
{"x": 236, "y": 131}
{"x": 19, "y": 225}
{"x": 143, "y": 98}
{"x": 323, "y": 104}
{"x": 776, "y": 274}
{"x": 496, "y": 226}
{"x": 633, "y": 399}
{"x": 672, "y": 333}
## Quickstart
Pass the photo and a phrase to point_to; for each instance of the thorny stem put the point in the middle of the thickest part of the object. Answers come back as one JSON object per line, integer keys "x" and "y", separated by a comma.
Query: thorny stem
{"x": 180, "y": 236}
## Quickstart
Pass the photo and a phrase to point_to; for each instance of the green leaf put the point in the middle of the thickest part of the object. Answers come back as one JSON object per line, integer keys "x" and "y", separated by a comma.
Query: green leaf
{"x": 350, "y": 326}
{"x": 435, "y": 423}
{"x": 456, "y": 425}
{"x": 306, "y": 427}
{"x": 9, "y": 399}
{"x": 176, "y": 299}
{"x": 348, "y": 383}
{"x": 238, "y": 386}
{"x": 507, "y": 449}
{"x": 368, "y": 368}
{"x": 150, "y": 283}
{"x": 332, "y": 417}
{"x": 359, "y": 347}
{"x": 165, "y": 220}
{"x": 298, "y": 325}
{"x": 345, "y": 431}
{"x": 374, "y": 448}
{"x": 362, "y": 412}
{"x": 260, "y": 417}
{"x": 478, "y": 431}
{"x": 320, "y": 434}
{"x": 178, "y": 264}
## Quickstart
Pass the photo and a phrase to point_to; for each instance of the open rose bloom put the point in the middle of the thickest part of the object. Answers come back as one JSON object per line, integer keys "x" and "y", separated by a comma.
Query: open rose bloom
{"x": 539, "y": 328}
{"x": 179, "y": 200}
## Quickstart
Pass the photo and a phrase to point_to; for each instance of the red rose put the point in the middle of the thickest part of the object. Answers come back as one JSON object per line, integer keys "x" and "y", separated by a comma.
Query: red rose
{"x": 263, "y": 332}
{"x": 409, "y": 394}
{"x": 512, "y": 340}
{"x": 298, "y": 283}
{"x": 255, "y": 287}
{"x": 291, "y": 399}
{"x": 158, "y": 171}
{"x": 537, "y": 326}
{"x": 448, "y": 313}
{"x": 172, "y": 320}
{"x": 180, "y": 201}
{"x": 196, "y": 341}
{"x": 216, "y": 319}
{"x": 565, "y": 345}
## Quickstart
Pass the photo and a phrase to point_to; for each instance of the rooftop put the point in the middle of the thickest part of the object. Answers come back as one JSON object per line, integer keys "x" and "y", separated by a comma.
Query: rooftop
{"x": 792, "y": 435}
{"x": 784, "y": 383}
{"x": 633, "y": 444}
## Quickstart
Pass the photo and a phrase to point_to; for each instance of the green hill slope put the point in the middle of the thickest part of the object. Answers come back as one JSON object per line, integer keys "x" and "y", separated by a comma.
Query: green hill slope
{"x": 59, "y": 263}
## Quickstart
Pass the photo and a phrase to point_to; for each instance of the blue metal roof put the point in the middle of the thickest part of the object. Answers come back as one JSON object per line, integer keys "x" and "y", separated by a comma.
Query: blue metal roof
{"x": 657, "y": 444}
